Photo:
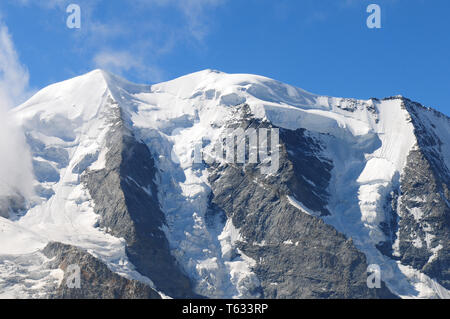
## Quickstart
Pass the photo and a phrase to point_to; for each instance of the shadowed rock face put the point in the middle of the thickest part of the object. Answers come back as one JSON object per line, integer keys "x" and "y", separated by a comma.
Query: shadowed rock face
{"x": 297, "y": 255}
{"x": 96, "y": 280}
{"x": 125, "y": 197}
{"x": 423, "y": 208}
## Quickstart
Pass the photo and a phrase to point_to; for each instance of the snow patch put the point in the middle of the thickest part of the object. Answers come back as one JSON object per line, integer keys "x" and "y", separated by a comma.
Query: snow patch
{"x": 301, "y": 207}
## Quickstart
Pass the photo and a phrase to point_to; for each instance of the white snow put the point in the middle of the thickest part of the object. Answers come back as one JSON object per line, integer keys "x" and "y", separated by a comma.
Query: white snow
{"x": 27, "y": 276}
{"x": 375, "y": 162}
{"x": 301, "y": 207}
{"x": 424, "y": 286}
{"x": 416, "y": 212}
{"x": 17, "y": 240}
{"x": 71, "y": 116}
{"x": 237, "y": 263}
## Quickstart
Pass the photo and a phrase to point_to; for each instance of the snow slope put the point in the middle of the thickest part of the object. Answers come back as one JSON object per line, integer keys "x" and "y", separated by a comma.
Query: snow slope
{"x": 65, "y": 125}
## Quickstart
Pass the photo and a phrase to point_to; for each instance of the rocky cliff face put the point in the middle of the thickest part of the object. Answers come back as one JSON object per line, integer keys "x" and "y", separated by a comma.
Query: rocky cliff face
{"x": 424, "y": 203}
{"x": 96, "y": 280}
{"x": 125, "y": 197}
{"x": 297, "y": 255}
{"x": 127, "y": 189}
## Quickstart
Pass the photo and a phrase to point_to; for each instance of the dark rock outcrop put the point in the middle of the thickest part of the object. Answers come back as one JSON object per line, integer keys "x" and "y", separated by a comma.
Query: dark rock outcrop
{"x": 125, "y": 196}
{"x": 97, "y": 281}
{"x": 297, "y": 255}
{"x": 424, "y": 205}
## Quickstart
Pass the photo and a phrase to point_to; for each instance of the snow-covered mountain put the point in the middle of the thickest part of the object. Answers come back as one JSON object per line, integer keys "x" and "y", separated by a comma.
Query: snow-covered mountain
{"x": 117, "y": 193}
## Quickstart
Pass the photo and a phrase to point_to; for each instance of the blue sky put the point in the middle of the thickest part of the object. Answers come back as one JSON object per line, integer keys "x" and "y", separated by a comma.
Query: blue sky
{"x": 323, "y": 46}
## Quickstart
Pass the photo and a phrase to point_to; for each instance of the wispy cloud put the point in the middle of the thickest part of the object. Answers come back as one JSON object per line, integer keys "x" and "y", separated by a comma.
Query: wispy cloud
{"x": 196, "y": 13}
{"x": 161, "y": 37}
{"x": 119, "y": 62}
{"x": 13, "y": 75}
{"x": 142, "y": 25}
{"x": 15, "y": 161}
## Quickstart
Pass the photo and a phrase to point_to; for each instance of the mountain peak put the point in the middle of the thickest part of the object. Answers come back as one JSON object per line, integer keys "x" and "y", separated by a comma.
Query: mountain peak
{"x": 113, "y": 159}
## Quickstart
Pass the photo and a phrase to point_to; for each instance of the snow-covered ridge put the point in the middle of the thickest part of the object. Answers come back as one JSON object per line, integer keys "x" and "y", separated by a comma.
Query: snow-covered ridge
{"x": 66, "y": 124}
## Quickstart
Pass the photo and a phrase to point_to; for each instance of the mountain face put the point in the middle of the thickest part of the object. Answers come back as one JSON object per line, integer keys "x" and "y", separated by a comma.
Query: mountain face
{"x": 219, "y": 185}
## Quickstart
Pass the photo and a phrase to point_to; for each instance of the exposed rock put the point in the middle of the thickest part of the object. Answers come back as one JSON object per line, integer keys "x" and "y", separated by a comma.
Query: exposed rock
{"x": 424, "y": 209}
{"x": 125, "y": 196}
{"x": 297, "y": 255}
{"x": 97, "y": 281}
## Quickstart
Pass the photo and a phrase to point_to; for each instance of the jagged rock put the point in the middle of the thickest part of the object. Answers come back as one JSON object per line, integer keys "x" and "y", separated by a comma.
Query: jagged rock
{"x": 424, "y": 209}
{"x": 124, "y": 194}
{"x": 297, "y": 255}
{"x": 97, "y": 281}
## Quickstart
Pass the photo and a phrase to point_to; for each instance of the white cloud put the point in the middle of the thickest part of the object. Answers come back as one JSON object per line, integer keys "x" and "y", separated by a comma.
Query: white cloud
{"x": 197, "y": 17}
{"x": 195, "y": 12}
{"x": 119, "y": 62}
{"x": 13, "y": 76}
{"x": 15, "y": 161}
{"x": 100, "y": 38}
{"x": 196, "y": 28}
{"x": 116, "y": 61}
